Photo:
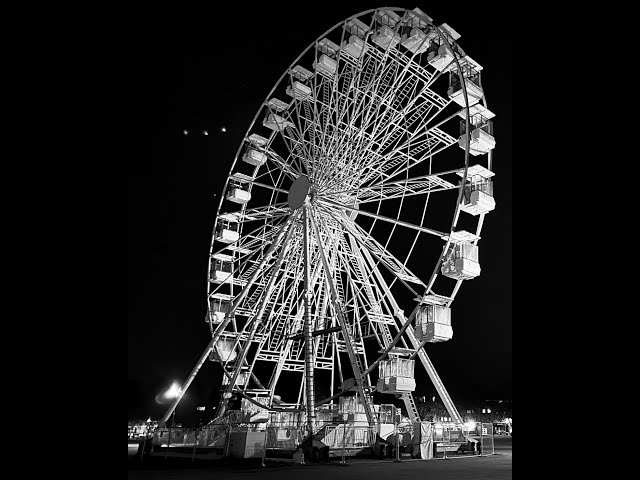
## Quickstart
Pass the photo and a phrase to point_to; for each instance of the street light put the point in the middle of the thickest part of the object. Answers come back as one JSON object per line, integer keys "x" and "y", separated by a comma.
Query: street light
{"x": 174, "y": 392}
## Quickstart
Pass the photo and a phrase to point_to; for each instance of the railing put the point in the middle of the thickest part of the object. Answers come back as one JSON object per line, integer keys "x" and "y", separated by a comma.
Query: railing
{"x": 349, "y": 436}
{"x": 259, "y": 440}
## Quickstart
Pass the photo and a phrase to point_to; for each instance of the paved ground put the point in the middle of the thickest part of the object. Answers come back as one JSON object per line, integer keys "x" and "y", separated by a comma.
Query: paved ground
{"x": 494, "y": 467}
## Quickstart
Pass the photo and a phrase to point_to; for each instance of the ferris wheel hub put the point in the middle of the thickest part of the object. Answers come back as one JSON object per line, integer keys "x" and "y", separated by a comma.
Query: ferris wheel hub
{"x": 298, "y": 192}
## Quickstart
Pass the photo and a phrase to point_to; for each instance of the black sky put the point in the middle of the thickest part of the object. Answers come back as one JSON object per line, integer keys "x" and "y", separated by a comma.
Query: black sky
{"x": 202, "y": 69}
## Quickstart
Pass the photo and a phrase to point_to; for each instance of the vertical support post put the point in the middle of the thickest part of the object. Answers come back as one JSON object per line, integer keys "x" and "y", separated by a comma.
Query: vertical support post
{"x": 264, "y": 451}
{"x": 166, "y": 453}
{"x": 446, "y": 442}
{"x": 226, "y": 449}
{"x": 395, "y": 427}
{"x": 144, "y": 444}
{"x": 344, "y": 436}
{"x": 195, "y": 445}
{"x": 308, "y": 339}
{"x": 493, "y": 443}
{"x": 333, "y": 367}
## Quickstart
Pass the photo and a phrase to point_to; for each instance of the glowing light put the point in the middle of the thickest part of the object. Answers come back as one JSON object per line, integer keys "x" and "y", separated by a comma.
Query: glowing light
{"x": 173, "y": 392}
{"x": 204, "y": 132}
{"x": 471, "y": 425}
{"x": 223, "y": 129}
{"x": 186, "y": 132}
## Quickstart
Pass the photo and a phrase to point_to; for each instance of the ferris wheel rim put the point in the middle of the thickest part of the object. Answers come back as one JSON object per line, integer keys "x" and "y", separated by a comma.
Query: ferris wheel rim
{"x": 275, "y": 134}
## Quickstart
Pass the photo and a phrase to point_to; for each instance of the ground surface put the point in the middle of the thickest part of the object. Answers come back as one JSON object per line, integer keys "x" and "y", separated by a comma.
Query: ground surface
{"x": 494, "y": 467}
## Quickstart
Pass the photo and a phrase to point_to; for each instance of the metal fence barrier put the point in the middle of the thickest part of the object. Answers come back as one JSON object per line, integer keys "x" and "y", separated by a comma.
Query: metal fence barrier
{"x": 260, "y": 440}
{"x": 486, "y": 438}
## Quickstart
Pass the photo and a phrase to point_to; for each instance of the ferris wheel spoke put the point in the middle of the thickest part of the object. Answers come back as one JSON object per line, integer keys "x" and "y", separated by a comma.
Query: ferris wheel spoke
{"x": 269, "y": 187}
{"x": 396, "y": 127}
{"x": 257, "y": 319}
{"x": 257, "y": 213}
{"x": 334, "y": 108}
{"x": 419, "y": 228}
{"x": 427, "y": 145}
{"x": 287, "y": 168}
{"x": 301, "y": 145}
{"x": 291, "y": 144}
{"x": 417, "y": 109}
{"x": 418, "y": 141}
{"x": 343, "y": 100}
{"x": 266, "y": 174}
{"x": 365, "y": 292}
{"x": 396, "y": 267}
{"x": 368, "y": 90}
{"x": 402, "y": 189}
{"x": 343, "y": 130}
{"x": 388, "y": 260}
{"x": 390, "y": 90}
{"x": 386, "y": 186}
{"x": 247, "y": 242}
{"x": 324, "y": 113}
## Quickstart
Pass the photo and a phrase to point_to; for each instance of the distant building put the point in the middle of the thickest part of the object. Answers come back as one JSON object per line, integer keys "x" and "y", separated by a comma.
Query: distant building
{"x": 141, "y": 428}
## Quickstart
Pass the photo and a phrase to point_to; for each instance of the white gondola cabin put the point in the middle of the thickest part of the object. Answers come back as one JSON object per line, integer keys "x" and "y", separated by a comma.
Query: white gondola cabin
{"x": 354, "y": 47}
{"x": 328, "y": 47}
{"x": 385, "y": 37}
{"x": 219, "y": 305}
{"x": 417, "y": 41}
{"x": 474, "y": 91}
{"x": 254, "y": 157}
{"x": 387, "y": 17}
{"x": 356, "y": 27}
{"x": 439, "y": 57}
{"x": 301, "y": 73}
{"x": 238, "y": 189}
{"x": 478, "y": 193}
{"x": 227, "y": 231}
{"x": 222, "y": 268}
{"x": 417, "y": 18}
{"x": 238, "y": 195}
{"x": 481, "y": 139}
{"x": 477, "y": 113}
{"x": 243, "y": 377}
{"x": 276, "y": 122}
{"x": 433, "y": 323}
{"x": 223, "y": 351}
{"x": 299, "y": 91}
{"x": 276, "y": 105}
{"x": 258, "y": 140}
{"x": 395, "y": 375}
{"x": 326, "y": 65}
{"x": 461, "y": 261}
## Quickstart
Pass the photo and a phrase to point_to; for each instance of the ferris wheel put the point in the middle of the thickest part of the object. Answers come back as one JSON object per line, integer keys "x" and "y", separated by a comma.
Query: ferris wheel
{"x": 351, "y": 216}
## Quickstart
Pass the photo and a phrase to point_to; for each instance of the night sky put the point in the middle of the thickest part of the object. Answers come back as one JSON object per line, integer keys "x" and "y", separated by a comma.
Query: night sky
{"x": 205, "y": 69}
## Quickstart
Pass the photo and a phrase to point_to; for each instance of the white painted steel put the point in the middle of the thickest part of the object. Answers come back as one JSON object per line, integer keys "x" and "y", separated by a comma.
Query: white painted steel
{"x": 371, "y": 114}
